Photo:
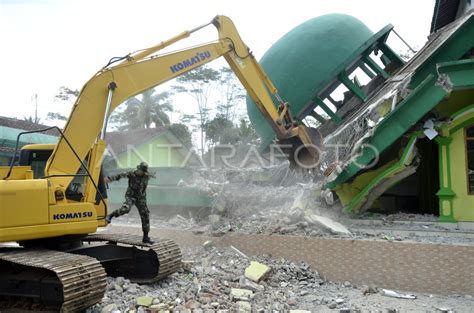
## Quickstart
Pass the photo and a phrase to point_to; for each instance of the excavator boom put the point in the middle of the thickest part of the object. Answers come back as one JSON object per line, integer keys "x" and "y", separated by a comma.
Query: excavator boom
{"x": 138, "y": 72}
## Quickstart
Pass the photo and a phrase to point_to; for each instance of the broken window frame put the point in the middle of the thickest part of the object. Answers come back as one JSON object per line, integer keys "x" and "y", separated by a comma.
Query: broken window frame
{"x": 469, "y": 176}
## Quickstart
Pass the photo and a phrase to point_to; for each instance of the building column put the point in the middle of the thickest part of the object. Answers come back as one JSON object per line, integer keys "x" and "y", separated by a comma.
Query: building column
{"x": 445, "y": 193}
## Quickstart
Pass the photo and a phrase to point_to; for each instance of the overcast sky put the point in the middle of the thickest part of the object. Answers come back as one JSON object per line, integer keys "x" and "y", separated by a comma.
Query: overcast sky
{"x": 46, "y": 44}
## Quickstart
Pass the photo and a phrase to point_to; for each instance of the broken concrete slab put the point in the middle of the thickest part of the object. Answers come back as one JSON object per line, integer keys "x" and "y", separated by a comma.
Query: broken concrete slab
{"x": 326, "y": 223}
{"x": 109, "y": 308}
{"x": 257, "y": 271}
{"x": 239, "y": 294}
{"x": 144, "y": 301}
{"x": 159, "y": 307}
{"x": 244, "y": 306}
{"x": 248, "y": 284}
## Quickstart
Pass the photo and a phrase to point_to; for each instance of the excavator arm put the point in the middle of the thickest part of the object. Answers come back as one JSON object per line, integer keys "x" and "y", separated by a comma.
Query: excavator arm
{"x": 145, "y": 69}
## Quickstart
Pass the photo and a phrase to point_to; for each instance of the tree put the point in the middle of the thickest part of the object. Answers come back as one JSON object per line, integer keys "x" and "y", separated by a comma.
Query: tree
{"x": 153, "y": 108}
{"x": 247, "y": 133}
{"x": 199, "y": 83}
{"x": 55, "y": 116}
{"x": 32, "y": 119}
{"x": 220, "y": 130}
{"x": 231, "y": 92}
{"x": 65, "y": 94}
{"x": 182, "y": 132}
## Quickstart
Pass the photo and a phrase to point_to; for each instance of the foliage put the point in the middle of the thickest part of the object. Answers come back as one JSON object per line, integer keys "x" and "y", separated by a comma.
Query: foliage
{"x": 153, "y": 108}
{"x": 199, "y": 84}
{"x": 182, "y": 132}
{"x": 55, "y": 116}
{"x": 247, "y": 133}
{"x": 221, "y": 130}
{"x": 231, "y": 92}
{"x": 32, "y": 119}
{"x": 67, "y": 94}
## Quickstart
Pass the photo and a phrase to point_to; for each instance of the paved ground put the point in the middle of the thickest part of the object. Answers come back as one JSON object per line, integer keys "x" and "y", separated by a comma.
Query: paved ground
{"x": 398, "y": 227}
{"x": 206, "y": 285}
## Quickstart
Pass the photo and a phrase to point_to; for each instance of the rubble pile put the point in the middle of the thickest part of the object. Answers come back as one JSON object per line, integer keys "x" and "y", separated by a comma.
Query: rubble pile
{"x": 276, "y": 201}
{"x": 224, "y": 280}
{"x": 281, "y": 202}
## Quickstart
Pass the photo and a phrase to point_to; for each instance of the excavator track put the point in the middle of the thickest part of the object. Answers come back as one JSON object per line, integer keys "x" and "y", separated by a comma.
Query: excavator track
{"x": 79, "y": 281}
{"x": 166, "y": 252}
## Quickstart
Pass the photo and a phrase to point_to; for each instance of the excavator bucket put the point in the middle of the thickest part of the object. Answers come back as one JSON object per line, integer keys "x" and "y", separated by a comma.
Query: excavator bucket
{"x": 305, "y": 148}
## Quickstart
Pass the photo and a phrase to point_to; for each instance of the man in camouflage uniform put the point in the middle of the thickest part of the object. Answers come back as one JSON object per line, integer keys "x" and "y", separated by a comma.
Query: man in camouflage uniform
{"x": 135, "y": 195}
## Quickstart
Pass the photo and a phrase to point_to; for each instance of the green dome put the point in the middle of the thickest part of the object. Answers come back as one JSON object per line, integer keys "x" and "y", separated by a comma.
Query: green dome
{"x": 305, "y": 60}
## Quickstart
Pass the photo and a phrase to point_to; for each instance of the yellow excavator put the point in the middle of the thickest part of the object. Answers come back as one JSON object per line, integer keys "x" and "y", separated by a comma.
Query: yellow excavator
{"x": 53, "y": 202}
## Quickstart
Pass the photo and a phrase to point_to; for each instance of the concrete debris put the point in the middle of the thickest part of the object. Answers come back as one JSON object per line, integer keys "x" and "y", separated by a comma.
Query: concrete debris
{"x": 327, "y": 223}
{"x": 247, "y": 284}
{"x": 257, "y": 271}
{"x": 394, "y": 294}
{"x": 241, "y": 294}
{"x": 339, "y": 301}
{"x": 328, "y": 196}
{"x": 193, "y": 304}
{"x": 208, "y": 244}
{"x": 366, "y": 290}
{"x": 144, "y": 301}
{"x": 443, "y": 309}
{"x": 109, "y": 308}
{"x": 244, "y": 306}
{"x": 215, "y": 282}
{"x": 444, "y": 81}
{"x": 160, "y": 307}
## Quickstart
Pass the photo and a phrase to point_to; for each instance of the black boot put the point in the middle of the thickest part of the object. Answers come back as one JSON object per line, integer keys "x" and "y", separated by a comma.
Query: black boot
{"x": 108, "y": 219}
{"x": 147, "y": 239}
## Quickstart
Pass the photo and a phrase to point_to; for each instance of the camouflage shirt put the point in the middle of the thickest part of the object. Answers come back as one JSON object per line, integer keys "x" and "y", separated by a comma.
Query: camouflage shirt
{"x": 137, "y": 182}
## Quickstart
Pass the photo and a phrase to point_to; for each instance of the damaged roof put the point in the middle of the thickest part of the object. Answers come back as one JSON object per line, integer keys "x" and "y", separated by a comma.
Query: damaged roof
{"x": 25, "y": 125}
{"x": 402, "y": 101}
{"x": 444, "y": 13}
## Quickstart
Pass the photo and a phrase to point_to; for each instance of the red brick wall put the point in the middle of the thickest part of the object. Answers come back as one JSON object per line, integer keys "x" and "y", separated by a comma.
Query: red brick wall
{"x": 410, "y": 266}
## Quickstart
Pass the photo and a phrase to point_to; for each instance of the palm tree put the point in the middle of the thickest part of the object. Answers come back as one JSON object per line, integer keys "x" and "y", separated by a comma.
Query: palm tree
{"x": 153, "y": 108}
{"x": 32, "y": 119}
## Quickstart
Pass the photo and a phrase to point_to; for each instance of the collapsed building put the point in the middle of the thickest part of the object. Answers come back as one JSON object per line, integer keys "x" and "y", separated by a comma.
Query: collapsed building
{"x": 396, "y": 134}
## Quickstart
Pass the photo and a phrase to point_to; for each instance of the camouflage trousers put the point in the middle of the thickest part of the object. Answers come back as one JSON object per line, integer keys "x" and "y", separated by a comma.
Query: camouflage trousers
{"x": 140, "y": 203}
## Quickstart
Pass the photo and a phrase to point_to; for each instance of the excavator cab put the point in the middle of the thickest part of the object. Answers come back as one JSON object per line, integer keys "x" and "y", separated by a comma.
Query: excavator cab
{"x": 36, "y": 156}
